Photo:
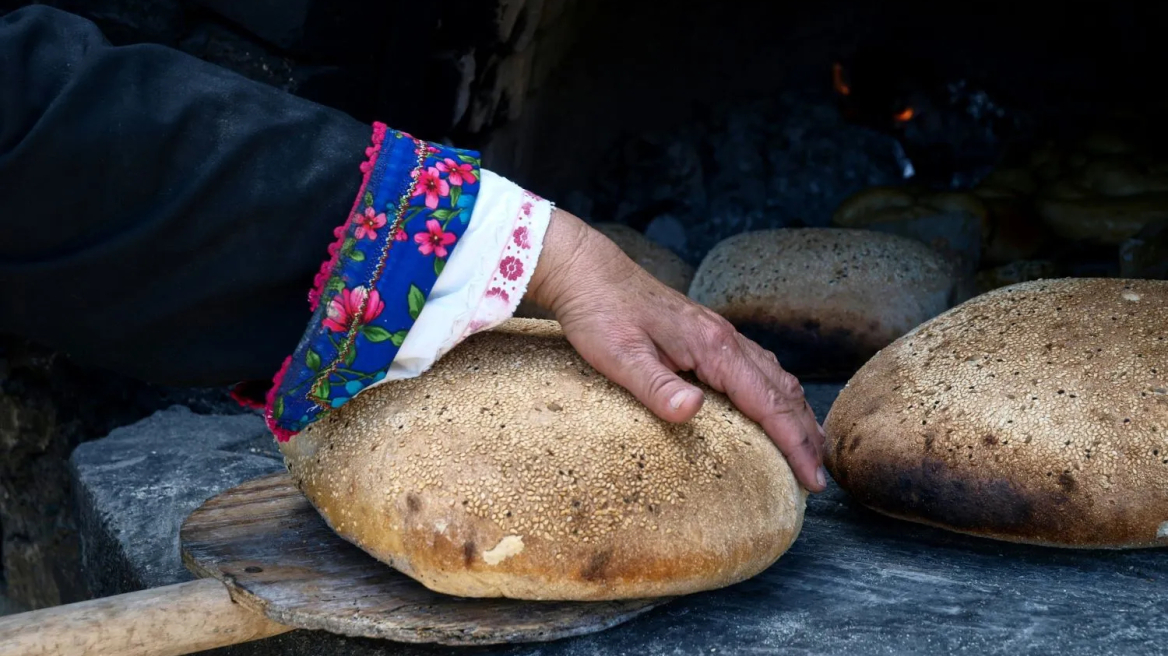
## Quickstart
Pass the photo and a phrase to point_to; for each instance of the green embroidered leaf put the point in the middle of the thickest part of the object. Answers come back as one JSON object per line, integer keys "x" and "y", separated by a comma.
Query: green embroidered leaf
{"x": 369, "y": 199}
{"x": 335, "y": 284}
{"x": 375, "y": 333}
{"x": 347, "y": 245}
{"x": 439, "y": 265}
{"x": 312, "y": 360}
{"x": 350, "y": 355}
{"x": 416, "y": 300}
{"x": 455, "y": 194}
{"x": 399, "y": 337}
{"x": 321, "y": 389}
{"x": 469, "y": 159}
{"x": 443, "y": 215}
{"x": 357, "y": 256}
{"x": 278, "y": 408}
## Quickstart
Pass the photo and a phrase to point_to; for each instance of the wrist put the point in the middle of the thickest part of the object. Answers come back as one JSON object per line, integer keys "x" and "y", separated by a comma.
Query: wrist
{"x": 564, "y": 243}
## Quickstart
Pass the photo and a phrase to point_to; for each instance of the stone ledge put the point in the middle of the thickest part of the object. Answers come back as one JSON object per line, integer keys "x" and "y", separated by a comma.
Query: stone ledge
{"x": 853, "y": 583}
{"x": 135, "y": 487}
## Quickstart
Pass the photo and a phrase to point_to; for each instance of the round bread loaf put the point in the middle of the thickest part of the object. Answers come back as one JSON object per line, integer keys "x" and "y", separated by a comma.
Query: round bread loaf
{"x": 1036, "y": 413}
{"x": 1104, "y": 190}
{"x": 953, "y": 223}
{"x": 824, "y": 300}
{"x": 513, "y": 469}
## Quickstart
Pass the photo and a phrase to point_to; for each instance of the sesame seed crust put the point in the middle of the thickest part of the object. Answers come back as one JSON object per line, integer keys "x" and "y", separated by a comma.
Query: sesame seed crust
{"x": 514, "y": 469}
{"x": 1036, "y": 413}
{"x": 823, "y": 299}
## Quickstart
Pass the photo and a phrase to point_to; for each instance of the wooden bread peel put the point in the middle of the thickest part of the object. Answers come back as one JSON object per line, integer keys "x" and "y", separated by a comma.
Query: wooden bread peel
{"x": 269, "y": 564}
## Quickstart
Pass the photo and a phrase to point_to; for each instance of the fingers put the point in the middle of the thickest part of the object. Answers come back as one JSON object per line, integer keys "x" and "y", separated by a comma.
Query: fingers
{"x": 769, "y": 365}
{"x": 768, "y": 395}
{"x": 635, "y": 364}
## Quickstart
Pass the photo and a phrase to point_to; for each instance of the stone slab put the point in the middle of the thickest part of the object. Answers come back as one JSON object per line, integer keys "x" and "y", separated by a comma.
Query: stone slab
{"x": 8, "y": 606}
{"x": 854, "y": 582}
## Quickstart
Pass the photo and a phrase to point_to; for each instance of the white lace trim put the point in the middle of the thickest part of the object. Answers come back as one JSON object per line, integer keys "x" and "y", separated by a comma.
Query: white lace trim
{"x": 485, "y": 277}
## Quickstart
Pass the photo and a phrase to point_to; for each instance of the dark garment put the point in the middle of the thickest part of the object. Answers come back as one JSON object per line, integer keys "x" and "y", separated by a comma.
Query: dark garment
{"x": 160, "y": 216}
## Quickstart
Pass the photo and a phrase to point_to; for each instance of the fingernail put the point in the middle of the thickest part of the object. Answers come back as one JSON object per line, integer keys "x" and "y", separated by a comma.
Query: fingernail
{"x": 678, "y": 399}
{"x": 821, "y": 477}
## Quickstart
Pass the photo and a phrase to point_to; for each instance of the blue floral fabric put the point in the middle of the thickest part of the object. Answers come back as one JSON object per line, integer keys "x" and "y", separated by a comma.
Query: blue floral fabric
{"x": 412, "y": 211}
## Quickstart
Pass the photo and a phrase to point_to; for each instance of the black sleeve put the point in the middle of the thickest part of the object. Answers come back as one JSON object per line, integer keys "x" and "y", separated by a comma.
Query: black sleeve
{"x": 160, "y": 216}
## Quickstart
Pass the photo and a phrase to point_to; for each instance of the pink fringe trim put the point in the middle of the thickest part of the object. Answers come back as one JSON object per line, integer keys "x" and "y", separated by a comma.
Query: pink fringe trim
{"x": 282, "y": 434}
{"x": 243, "y": 400}
{"x": 322, "y": 276}
{"x": 314, "y": 295}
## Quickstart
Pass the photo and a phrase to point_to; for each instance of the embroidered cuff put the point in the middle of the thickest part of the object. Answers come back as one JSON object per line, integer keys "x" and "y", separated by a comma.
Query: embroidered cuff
{"x": 483, "y": 281}
{"x": 413, "y": 208}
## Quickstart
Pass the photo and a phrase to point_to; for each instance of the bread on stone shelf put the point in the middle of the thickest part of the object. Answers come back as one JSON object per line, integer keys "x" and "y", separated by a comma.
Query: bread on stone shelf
{"x": 513, "y": 469}
{"x": 824, "y": 300}
{"x": 1036, "y": 413}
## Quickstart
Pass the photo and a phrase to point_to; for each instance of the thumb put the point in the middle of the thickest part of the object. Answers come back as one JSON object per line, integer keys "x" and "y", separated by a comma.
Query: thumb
{"x": 664, "y": 392}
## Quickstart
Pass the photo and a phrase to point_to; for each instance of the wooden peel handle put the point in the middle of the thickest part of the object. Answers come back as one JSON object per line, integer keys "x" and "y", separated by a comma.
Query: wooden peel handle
{"x": 168, "y": 621}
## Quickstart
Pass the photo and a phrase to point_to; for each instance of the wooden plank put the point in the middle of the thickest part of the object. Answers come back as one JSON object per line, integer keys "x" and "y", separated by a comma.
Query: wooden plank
{"x": 271, "y": 548}
{"x": 167, "y": 621}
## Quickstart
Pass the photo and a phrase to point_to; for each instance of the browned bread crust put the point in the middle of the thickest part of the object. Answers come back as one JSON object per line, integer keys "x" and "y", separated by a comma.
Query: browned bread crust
{"x": 514, "y": 469}
{"x": 1036, "y": 413}
{"x": 824, "y": 300}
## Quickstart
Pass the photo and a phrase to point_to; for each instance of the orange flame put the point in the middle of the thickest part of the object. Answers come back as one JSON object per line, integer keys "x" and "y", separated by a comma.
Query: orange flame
{"x": 837, "y": 79}
{"x": 904, "y": 115}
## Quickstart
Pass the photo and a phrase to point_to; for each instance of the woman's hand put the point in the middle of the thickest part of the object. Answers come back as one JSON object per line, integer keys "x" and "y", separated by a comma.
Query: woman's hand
{"x": 639, "y": 333}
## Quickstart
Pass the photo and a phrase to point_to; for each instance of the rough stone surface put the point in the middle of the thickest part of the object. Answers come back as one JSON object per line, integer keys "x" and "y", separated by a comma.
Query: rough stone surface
{"x": 854, "y": 582}
{"x": 8, "y": 606}
{"x": 136, "y": 486}
{"x": 783, "y": 162}
{"x": 48, "y": 405}
{"x": 1146, "y": 254}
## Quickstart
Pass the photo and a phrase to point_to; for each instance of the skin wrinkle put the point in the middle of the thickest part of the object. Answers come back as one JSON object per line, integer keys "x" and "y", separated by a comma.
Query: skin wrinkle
{"x": 642, "y": 338}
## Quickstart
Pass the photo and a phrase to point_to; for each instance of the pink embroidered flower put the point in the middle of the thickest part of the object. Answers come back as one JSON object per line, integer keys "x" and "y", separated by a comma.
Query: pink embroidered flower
{"x": 458, "y": 173}
{"x": 434, "y": 240}
{"x": 526, "y": 207}
{"x": 522, "y": 240}
{"x": 400, "y": 235}
{"x": 499, "y": 293}
{"x": 343, "y": 309}
{"x": 511, "y": 268}
{"x": 368, "y": 224}
{"x": 431, "y": 184}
